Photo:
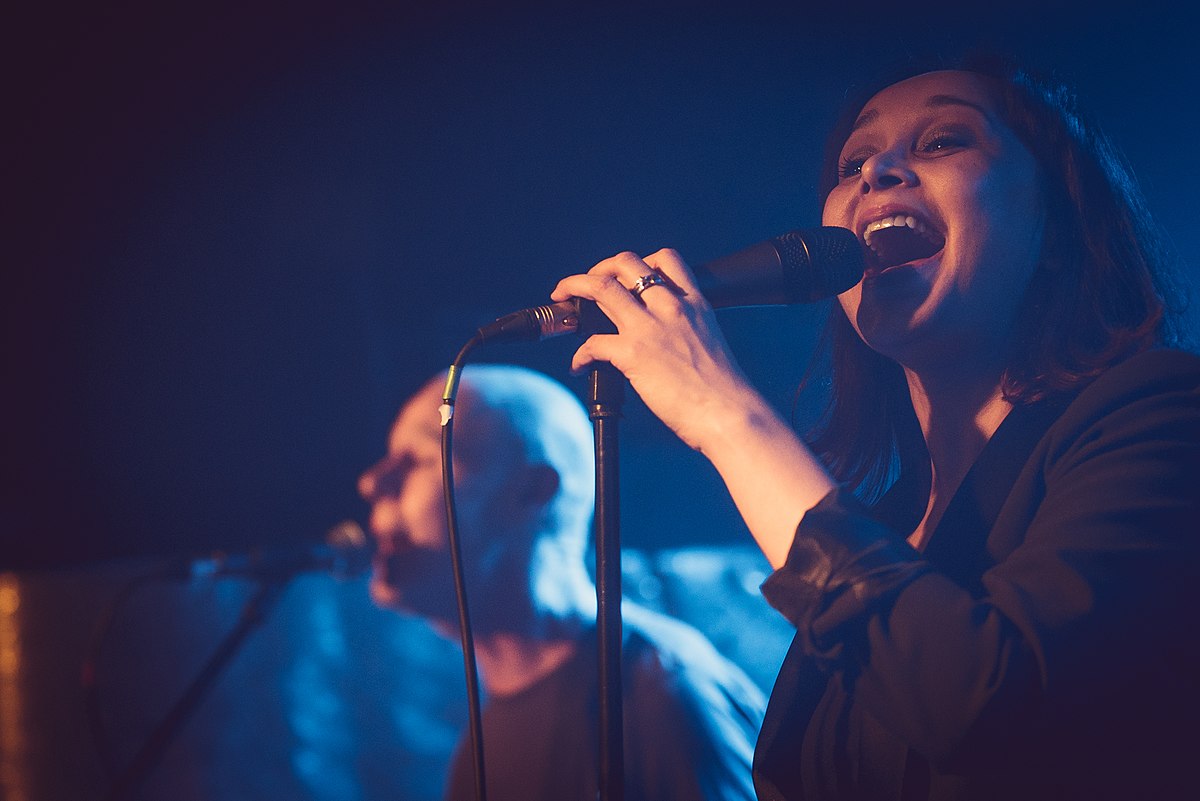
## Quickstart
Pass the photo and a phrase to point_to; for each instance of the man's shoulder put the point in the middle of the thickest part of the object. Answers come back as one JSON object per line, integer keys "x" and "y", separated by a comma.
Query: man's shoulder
{"x": 669, "y": 641}
{"x": 667, "y": 655}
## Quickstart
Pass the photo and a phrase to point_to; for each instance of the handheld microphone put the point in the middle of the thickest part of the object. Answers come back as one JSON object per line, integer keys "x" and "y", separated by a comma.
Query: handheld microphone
{"x": 801, "y": 266}
{"x": 345, "y": 552}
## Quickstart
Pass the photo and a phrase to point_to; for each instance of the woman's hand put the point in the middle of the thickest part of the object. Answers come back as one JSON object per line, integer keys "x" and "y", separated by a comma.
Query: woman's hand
{"x": 670, "y": 348}
{"x": 668, "y": 343}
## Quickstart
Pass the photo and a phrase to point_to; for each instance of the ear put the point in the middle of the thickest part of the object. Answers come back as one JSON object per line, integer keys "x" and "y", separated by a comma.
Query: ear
{"x": 538, "y": 485}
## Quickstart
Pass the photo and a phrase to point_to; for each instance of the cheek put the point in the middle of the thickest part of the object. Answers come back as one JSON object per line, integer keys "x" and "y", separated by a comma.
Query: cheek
{"x": 837, "y": 209}
{"x": 1007, "y": 197}
{"x": 429, "y": 521}
{"x": 1009, "y": 235}
{"x": 1029, "y": 219}
{"x": 424, "y": 513}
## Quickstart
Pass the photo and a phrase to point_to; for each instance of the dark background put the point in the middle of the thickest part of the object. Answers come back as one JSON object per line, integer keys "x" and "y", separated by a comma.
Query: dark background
{"x": 236, "y": 237}
{"x": 241, "y": 235}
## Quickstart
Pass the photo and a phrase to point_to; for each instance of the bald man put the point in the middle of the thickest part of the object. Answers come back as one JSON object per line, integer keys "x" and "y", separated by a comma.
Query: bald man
{"x": 524, "y": 488}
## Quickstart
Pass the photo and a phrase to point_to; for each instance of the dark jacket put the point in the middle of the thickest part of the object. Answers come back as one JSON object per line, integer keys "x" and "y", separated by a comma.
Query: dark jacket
{"x": 1043, "y": 645}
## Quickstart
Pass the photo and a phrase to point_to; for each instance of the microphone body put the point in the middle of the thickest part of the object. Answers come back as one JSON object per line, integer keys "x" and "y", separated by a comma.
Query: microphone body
{"x": 345, "y": 553}
{"x": 802, "y": 266}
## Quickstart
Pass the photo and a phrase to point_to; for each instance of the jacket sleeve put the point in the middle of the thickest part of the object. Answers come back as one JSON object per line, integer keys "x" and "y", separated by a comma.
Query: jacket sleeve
{"x": 1085, "y": 606}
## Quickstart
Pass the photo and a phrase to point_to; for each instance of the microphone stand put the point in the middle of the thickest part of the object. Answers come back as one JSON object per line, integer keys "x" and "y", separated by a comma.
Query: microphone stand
{"x": 605, "y": 397}
{"x": 253, "y": 614}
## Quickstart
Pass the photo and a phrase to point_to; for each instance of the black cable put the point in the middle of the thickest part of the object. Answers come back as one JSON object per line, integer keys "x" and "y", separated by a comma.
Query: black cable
{"x": 460, "y": 591}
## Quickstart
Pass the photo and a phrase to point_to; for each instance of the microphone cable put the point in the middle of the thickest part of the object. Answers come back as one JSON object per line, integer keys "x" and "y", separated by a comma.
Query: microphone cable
{"x": 446, "y": 411}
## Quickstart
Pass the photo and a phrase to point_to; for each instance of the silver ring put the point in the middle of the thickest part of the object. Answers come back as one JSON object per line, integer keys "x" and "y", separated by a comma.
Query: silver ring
{"x": 645, "y": 282}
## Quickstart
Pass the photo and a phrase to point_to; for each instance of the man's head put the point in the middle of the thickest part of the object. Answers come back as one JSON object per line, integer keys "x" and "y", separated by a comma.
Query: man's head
{"x": 523, "y": 469}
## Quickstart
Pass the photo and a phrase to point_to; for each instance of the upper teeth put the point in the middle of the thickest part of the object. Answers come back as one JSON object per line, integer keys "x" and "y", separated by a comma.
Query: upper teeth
{"x": 889, "y": 222}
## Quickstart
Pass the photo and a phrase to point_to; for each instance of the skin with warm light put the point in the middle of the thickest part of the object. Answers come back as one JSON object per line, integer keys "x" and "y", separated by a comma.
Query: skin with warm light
{"x": 932, "y": 148}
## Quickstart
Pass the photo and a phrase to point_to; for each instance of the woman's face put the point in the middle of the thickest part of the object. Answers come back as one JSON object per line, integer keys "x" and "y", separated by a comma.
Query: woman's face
{"x": 948, "y": 202}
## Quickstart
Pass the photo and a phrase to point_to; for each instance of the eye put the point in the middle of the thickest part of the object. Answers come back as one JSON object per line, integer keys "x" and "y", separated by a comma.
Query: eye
{"x": 852, "y": 164}
{"x": 939, "y": 141}
{"x": 387, "y": 477}
{"x": 848, "y": 167}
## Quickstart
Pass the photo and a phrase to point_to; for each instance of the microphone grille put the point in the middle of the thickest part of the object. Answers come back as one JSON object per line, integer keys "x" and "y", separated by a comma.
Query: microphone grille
{"x": 820, "y": 262}
{"x": 351, "y": 549}
{"x": 346, "y": 534}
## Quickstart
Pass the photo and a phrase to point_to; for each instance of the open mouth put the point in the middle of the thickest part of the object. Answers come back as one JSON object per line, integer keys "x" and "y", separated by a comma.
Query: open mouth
{"x": 404, "y": 563}
{"x": 898, "y": 240}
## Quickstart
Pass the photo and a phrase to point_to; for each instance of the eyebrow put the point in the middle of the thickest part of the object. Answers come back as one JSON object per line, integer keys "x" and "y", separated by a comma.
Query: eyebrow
{"x": 935, "y": 101}
{"x": 866, "y": 118}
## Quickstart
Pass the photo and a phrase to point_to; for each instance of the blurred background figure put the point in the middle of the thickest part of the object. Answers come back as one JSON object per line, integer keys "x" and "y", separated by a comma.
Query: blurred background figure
{"x": 524, "y": 481}
{"x": 330, "y": 699}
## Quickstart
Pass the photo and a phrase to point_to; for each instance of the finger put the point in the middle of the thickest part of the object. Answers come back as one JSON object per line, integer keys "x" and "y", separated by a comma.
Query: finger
{"x": 654, "y": 279}
{"x": 640, "y": 276}
{"x": 612, "y": 266}
{"x": 605, "y": 289}
{"x": 595, "y": 349}
{"x": 628, "y": 269}
{"x": 668, "y": 262}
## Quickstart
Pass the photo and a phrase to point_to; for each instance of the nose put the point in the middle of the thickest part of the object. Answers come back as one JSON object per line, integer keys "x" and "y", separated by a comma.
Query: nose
{"x": 885, "y": 170}
{"x": 369, "y": 484}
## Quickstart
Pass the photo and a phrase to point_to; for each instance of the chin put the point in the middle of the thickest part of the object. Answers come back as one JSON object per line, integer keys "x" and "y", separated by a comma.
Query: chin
{"x": 432, "y": 603}
{"x": 894, "y": 323}
{"x": 385, "y": 595}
